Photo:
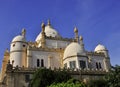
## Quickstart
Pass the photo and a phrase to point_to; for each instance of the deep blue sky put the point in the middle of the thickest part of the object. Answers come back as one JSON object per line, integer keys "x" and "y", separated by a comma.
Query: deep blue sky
{"x": 98, "y": 21}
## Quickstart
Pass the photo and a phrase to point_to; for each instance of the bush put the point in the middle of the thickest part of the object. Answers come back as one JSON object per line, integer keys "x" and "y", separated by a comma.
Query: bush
{"x": 69, "y": 83}
{"x": 44, "y": 77}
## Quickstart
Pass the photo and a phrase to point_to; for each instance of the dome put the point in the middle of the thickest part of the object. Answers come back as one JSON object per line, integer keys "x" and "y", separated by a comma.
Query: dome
{"x": 73, "y": 49}
{"x": 100, "y": 47}
{"x": 49, "y": 32}
{"x": 19, "y": 38}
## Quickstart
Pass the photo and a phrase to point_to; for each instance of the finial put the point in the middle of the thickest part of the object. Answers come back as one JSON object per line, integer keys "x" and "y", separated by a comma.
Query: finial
{"x": 75, "y": 30}
{"x": 23, "y": 32}
{"x": 81, "y": 38}
{"x": 7, "y": 51}
{"x": 76, "y": 34}
{"x": 49, "y": 22}
{"x": 42, "y": 25}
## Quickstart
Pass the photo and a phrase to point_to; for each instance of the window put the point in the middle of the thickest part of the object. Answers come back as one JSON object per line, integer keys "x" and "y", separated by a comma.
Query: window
{"x": 72, "y": 64}
{"x": 82, "y": 64}
{"x": 13, "y": 45}
{"x": 97, "y": 65}
{"x": 23, "y": 45}
{"x": 100, "y": 65}
{"x": 42, "y": 63}
{"x": 65, "y": 65}
{"x": 38, "y": 63}
{"x": 27, "y": 78}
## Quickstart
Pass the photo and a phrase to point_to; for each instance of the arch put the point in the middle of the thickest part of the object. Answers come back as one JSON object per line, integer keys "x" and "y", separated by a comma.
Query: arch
{"x": 42, "y": 63}
{"x": 97, "y": 66}
{"x": 100, "y": 65}
{"x": 38, "y": 63}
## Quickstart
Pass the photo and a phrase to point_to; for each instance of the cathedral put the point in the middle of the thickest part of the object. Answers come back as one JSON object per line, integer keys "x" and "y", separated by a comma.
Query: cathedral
{"x": 51, "y": 50}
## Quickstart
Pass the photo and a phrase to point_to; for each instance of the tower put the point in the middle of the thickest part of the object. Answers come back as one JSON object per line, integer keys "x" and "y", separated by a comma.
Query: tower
{"x": 18, "y": 50}
{"x": 102, "y": 49}
{"x": 4, "y": 64}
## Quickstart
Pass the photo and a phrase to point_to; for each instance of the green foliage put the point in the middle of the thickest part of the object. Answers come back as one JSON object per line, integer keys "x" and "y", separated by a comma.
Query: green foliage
{"x": 113, "y": 77}
{"x": 44, "y": 77}
{"x": 97, "y": 83}
{"x": 70, "y": 83}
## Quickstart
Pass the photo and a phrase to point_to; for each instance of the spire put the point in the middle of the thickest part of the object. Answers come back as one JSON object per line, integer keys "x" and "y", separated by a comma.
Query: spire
{"x": 81, "y": 38}
{"x": 43, "y": 26}
{"x": 43, "y": 35}
{"x": 81, "y": 42}
{"x": 23, "y": 32}
{"x": 7, "y": 51}
{"x": 76, "y": 33}
{"x": 49, "y": 24}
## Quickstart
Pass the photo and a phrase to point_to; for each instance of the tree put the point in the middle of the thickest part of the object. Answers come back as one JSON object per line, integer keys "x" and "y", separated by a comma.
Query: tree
{"x": 69, "y": 83}
{"x": 113, "y": 77}
{"x": 44, "y": 77}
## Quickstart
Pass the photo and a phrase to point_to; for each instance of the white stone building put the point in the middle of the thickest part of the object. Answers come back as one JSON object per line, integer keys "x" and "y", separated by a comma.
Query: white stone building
{"x": 50, "y": 49}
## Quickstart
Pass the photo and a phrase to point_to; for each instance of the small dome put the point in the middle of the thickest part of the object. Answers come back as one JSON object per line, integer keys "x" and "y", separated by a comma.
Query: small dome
{"x": 49, "y": 32}
{"x": 73, "y": 49}
{"x": 99, "y": 48}
{"x": 19, "y": 38}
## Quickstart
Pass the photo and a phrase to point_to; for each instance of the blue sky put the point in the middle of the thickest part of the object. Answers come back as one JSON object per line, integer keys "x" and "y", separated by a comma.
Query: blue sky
{"x": 98, "y": 21}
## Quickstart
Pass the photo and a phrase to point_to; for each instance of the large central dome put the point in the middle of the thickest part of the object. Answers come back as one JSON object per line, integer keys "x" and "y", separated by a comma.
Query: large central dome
{"x": 49, "y": 32}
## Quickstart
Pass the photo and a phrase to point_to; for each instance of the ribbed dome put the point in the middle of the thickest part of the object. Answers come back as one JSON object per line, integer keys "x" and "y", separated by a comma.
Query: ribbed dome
{"x": 19, "y": 38}
{"x": 73, "y": 49}
{"x": 49, "y": 32}
{"x": 100, "y": 47}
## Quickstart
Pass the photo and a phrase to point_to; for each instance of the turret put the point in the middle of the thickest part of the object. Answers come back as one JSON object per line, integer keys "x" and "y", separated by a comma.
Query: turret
{"x": 18, "y": 50}
{"x": 102, "y": 49}
{"x": 76, "y": 34}
{"x": 43, "y": 35}
{"x": 81, "y": 43}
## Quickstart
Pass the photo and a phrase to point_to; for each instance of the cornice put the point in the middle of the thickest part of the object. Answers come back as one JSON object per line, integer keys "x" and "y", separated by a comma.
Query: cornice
{"x": 75, "y": 56}
{"x": 18, "y": 51}
{"x": 95, "y": 54}
{"x": 60, "y": 38}
{"x": 46, "y": 49}
{"x": 20, "y": 42}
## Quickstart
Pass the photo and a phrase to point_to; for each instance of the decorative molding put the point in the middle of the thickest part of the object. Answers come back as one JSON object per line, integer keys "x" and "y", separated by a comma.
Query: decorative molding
{"x": 46, "y": 49}
{"x": 75, "y": 56}
{"x": 18, "y": 51}
{"x": 60, "y": 38}
{"x": 20, "y": 42}
{"x": 95, "y": 54}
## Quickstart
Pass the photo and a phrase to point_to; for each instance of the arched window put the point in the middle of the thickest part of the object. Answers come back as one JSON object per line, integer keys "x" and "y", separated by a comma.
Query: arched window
{"x": 42, "y": 63}
{"x": 100, "y": 65}
{"x": 38, "y": 63}
{"x": 97, "y": 66}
